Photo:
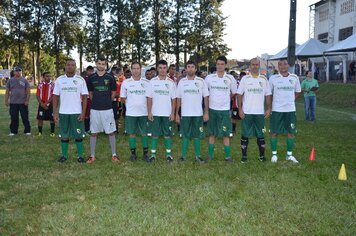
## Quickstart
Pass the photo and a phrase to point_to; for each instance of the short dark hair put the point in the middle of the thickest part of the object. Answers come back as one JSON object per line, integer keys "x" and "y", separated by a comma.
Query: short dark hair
{"x": 100, "y": 58}
{"x": 89, "y": 68}
{"x": 45, "y": 73}
{"x": 242, "y": 73}
{"x": 221, "y": 58}
{"x": 136, "y": 63}
{"x": 190, "y": 62}
{"x": 153, "y": 68}
{"x": 162, "y": 62}
{"x": 171, "y": 65}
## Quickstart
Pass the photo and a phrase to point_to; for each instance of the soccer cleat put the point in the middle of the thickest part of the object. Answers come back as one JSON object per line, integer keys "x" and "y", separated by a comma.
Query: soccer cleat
{"x": 81, "y": 160}
{"x": 12, "y": 134}
{"x": 152, "y": 159}
{"x": 91, "y": 160}
{"x": 182, "y": 159}
{"x": 169, "y": 158}
{"x": 28, "y": 134}
{"x": 199, "y": 160}
{"x": 274, "y": 159}
{"x": 229, "y": 159}
{"x": 262, "y": 158}
{"x": 244, "y": 159}
{"x": 52, "y": 135}
{"x": 115, "y": 158}
{"x": 39, "y": 134}
{"x": 62, "y": 159}
{"x": 231, "y": 135}
{"x": 133, "y": 157}
{"x": 292, "y": 159}
{"x": 146, "y": 158}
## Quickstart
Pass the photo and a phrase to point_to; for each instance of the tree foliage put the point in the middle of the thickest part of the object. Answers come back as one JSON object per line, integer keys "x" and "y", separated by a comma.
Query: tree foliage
{"x": 46, "y": 31}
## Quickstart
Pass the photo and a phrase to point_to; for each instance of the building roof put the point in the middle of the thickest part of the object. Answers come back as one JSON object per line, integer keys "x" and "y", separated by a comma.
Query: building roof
{"x": 311, "y": 48}
{"x": 346, "y": 45}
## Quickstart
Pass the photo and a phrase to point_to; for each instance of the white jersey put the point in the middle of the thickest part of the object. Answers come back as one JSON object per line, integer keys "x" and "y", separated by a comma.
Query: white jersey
{"x": 283, "y": 91}
{"x": 191, "y": 93}
{"x": 69, "y": 90}
{"x": 220, "y": 89}
{"x": 162, "y": 92}
{"x": 254, "y": 91}
{"x": 135, "y": 93}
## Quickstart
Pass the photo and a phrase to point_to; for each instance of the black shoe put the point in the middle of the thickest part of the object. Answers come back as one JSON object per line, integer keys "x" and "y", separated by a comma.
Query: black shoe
{"x": 169, "y": 158}
{"x": 229, "y": 159}
{"x": 243, "y": 159}
{"x": 182, "y": 159}
{"x": 81, "y": 160}
{"x": 152, "y": 159}
{"x": 133, "y": 157}
{"x": 146, "y": 158}
{"x": 199, "y": 160}
{"x": 262, "y": 158}
{"x": 62, "y": 159}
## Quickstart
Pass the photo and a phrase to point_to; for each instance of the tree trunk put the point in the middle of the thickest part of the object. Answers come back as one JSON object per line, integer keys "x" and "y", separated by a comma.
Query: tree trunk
{"x": 156, "y": 12}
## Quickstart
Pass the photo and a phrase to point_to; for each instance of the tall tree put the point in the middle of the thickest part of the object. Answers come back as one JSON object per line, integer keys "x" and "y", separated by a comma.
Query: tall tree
{"x": 206, "y": 37}
{"x": 96, "y": 27}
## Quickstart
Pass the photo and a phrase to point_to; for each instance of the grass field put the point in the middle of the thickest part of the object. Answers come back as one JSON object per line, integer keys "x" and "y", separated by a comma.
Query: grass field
{"x": 38, "y": 196}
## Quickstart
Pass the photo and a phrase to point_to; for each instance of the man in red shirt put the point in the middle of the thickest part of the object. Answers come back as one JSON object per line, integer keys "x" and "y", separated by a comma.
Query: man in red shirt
{"x": 44, "y": 97}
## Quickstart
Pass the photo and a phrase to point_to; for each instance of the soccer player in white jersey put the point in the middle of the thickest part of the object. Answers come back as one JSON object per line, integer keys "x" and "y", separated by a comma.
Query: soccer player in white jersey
{"x": 285, "y": 89}
{"x": 70, "y": 92}
{"x": 222, "y": 87}
{"x": 253, "y": 93}
{"x": 133, "y": 94}
{"x": 161, "y": 102}
{"x": 190, "y": 93}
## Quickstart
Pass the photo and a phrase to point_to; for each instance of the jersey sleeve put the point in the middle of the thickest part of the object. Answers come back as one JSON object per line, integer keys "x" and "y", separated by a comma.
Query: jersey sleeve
{"x": 149, "y": 90}
{"x": 38, "y": 90}
{"x": 241, "y": 88}
{"x": 268, "y": 90}
{"x": 297, "y": 86}
{"x": 178, "y": 90}
{"x": 56, "y": 89}
{"x": 270, "y": 82}
{"x": 84, "y": 89}
{"x": 123, "y": 92}
{"x": 233, "y": 86}
{"x": 113, "y": 84}
{"x": 205, "y": 89}
{"x": 173, "y": 90}
{"x": 89, "y": 84}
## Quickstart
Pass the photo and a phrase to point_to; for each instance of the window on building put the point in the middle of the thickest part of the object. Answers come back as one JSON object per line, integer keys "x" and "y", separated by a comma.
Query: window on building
{"x": 323, "y": 15}
{"x": 347, "y": 7}
{"x": 323, "y": 37}
{"x": 345, "y": 33}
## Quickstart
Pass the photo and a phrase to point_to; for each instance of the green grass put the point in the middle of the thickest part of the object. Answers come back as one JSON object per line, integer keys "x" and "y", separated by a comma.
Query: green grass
{"x": 41, "y": 197}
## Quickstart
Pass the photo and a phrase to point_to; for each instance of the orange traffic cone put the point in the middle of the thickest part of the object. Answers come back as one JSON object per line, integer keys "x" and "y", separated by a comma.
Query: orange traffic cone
{"x": 312, "y": 155}
{"x": 342, "y": 173}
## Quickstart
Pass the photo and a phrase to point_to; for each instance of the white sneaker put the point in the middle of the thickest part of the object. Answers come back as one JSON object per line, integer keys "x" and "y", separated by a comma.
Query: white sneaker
{"x": 11, "y": 134}
{"x": 274, "y": 159}
{"x": 231, "y": 135}
{"x": 28, "y": 134}
{"x": 291, "y": 158}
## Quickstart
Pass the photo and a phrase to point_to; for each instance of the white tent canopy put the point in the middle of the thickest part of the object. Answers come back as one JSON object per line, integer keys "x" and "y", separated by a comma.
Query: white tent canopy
{"x": 346, "y": 45}
{"x": 311, "y": 48}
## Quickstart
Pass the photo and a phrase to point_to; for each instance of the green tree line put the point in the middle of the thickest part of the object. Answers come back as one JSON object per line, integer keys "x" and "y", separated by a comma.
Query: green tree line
{"x": 43, "y": 33}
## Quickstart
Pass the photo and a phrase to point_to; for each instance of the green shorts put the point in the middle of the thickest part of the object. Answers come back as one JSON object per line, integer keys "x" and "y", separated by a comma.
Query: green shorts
{"x": 253, "y": 126}
{"x": 219, "y": 123}
{"x": 70, "y": 126}
{"x": 136, "y": 124}
{"x": 191, "y": 127}
{"x": 283, "y": 122}
{"x": 161, "y": 126}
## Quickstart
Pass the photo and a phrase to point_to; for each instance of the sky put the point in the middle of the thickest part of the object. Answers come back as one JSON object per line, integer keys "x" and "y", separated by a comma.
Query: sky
{"x": 254, "y": 27}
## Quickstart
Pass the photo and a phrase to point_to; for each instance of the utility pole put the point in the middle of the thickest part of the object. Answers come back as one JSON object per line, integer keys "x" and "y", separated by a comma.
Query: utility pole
{"x": 291, "y": 37}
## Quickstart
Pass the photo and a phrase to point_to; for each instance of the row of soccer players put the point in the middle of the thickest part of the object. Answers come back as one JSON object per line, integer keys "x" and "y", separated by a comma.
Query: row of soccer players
{"x": 157, "y": 102}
